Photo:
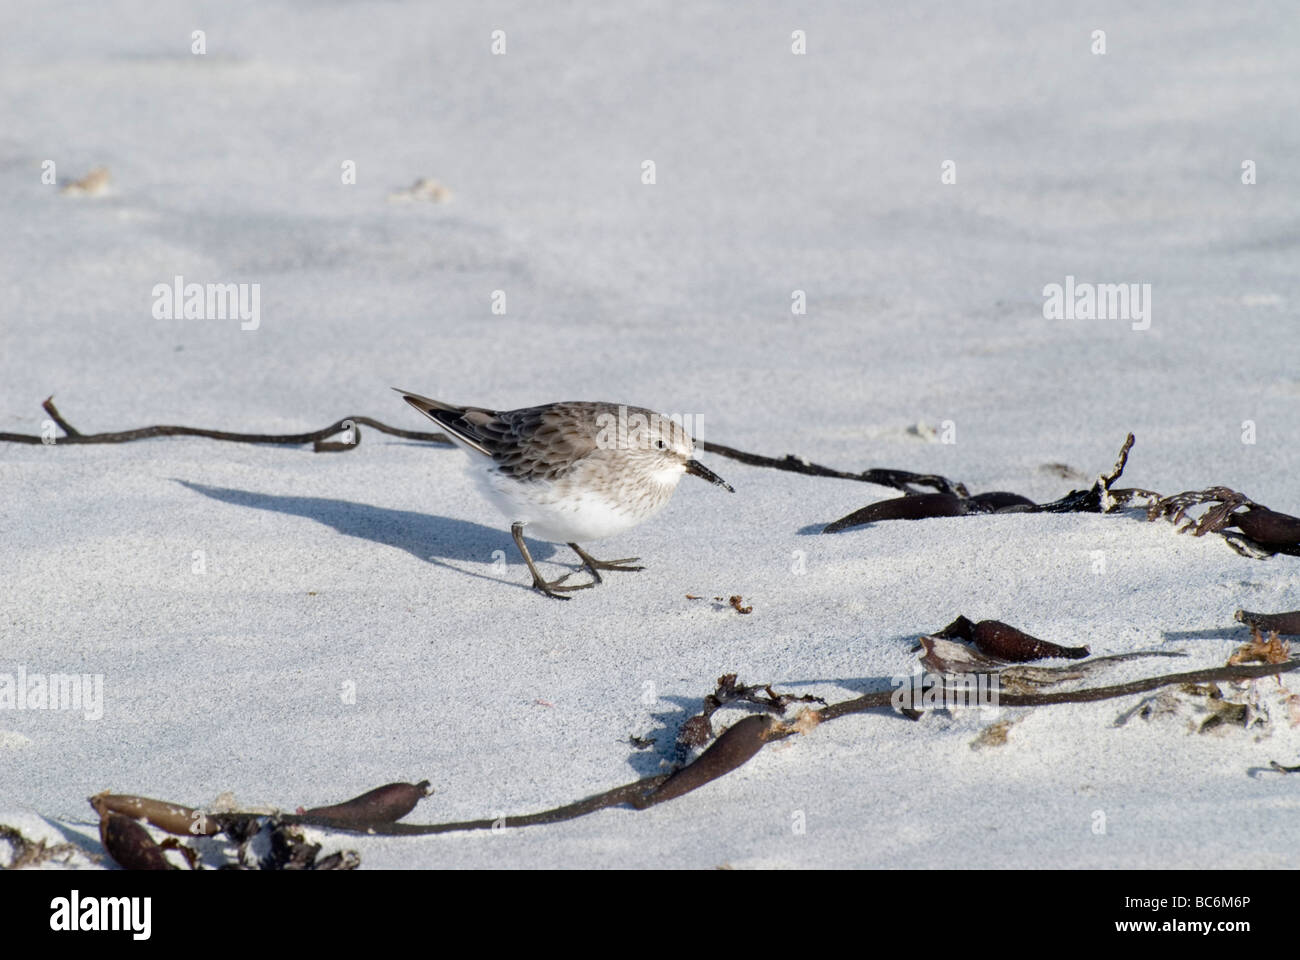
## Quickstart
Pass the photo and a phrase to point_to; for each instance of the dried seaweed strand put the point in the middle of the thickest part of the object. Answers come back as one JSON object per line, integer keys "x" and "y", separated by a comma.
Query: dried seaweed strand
{"x": 164, "y": 430}
{"x": 897, "y": 479}
{"x": 885, "y": 477}
{"x": 639, "y": 792}
{"x": 627, "y": 793}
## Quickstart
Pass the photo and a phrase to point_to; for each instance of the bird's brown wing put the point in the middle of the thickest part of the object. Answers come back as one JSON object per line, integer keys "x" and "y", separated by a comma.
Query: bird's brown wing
{"x": 540, "y": 443}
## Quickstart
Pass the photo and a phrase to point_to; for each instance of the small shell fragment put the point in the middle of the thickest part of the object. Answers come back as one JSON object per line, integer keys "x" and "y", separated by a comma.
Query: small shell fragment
{"x": 93, "y": 184}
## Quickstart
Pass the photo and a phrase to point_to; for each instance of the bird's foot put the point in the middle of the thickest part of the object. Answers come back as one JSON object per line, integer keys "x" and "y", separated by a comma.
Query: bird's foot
{"x": 594, "y": 566}
{"x": 553, "y": 588}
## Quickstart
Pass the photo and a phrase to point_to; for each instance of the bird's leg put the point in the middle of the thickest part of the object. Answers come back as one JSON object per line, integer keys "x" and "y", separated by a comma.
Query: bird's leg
{"x": 594, "y": 565}
{"x": 548, "y": 588}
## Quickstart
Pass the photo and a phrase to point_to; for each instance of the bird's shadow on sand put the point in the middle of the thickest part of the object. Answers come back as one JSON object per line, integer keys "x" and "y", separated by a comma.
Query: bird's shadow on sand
{"x": 429, "y": 537}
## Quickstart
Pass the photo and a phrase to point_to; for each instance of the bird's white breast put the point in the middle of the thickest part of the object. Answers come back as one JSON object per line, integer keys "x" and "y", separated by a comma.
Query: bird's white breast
{"x": 574, "y": 509}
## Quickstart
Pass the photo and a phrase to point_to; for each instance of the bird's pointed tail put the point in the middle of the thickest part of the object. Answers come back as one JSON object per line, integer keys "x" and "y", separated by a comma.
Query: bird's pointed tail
{"x": 448, "y": 416}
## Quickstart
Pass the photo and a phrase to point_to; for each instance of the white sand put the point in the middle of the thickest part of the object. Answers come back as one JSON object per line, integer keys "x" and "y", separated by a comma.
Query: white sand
{"x": 774, "y": 173}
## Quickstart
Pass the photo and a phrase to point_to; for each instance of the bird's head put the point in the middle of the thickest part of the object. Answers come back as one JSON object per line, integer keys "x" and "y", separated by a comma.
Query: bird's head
{"x": 662, "y": 446}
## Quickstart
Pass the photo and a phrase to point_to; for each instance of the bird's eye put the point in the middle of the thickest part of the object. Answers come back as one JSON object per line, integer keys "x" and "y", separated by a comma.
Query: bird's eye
{"x": 659, "y": 444}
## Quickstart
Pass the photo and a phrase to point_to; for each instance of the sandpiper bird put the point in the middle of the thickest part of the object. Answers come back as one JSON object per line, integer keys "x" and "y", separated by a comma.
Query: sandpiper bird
{"x": 571, "y": 471}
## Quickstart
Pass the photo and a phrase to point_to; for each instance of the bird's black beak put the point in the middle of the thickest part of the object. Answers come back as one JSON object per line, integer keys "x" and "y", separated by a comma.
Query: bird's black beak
{"x": 698, "y": 469}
